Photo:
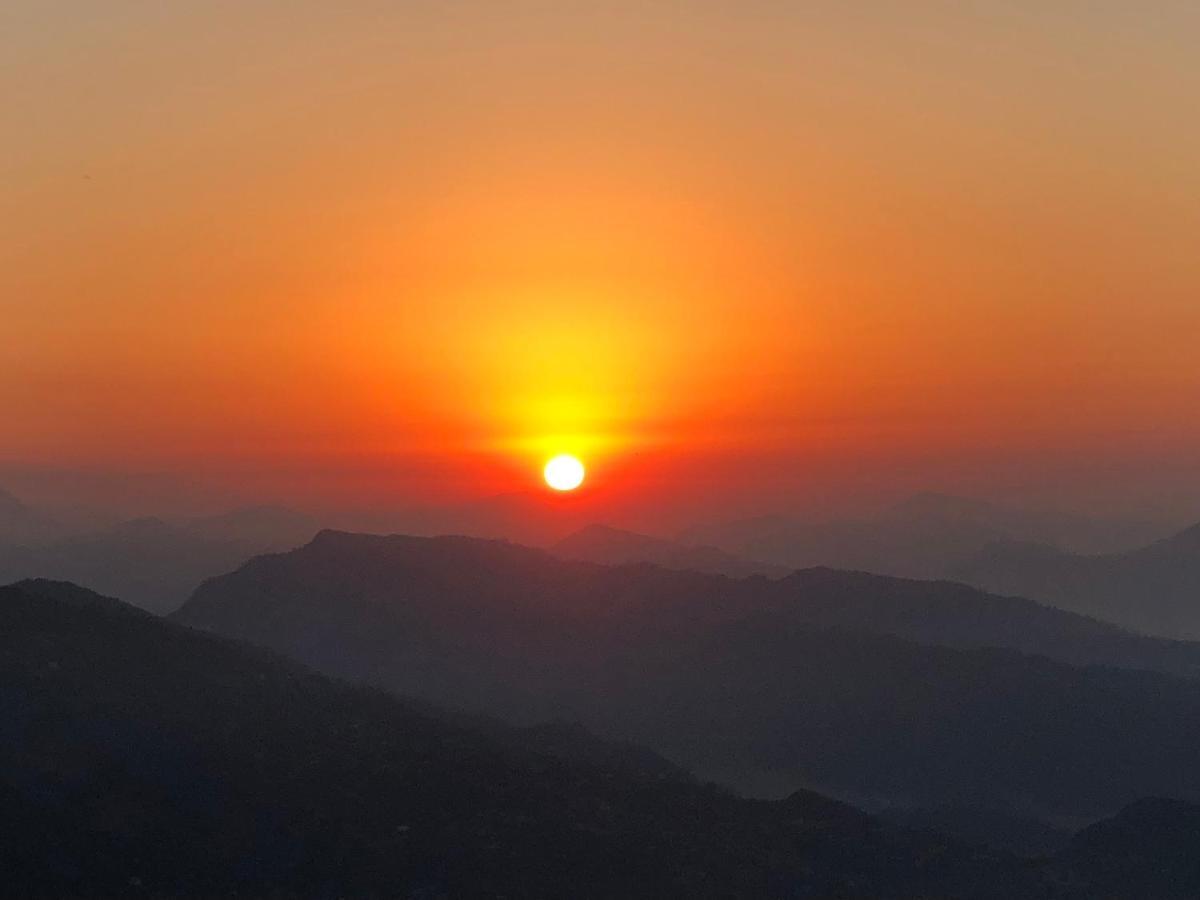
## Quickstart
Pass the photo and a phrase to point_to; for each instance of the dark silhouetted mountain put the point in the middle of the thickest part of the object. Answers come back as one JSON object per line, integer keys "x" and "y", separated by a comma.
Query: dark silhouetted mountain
{"x": 156, "y": 564}
{"x": 142, "y": 759}
{"x": 613, "y": 546}
{"x": 751, "y": 680}
{"x": 1022, "y": 835}
{"x": 1151, "y": 849}
{"x": 927, "y": 536}
{"x": 1155, "y": 589}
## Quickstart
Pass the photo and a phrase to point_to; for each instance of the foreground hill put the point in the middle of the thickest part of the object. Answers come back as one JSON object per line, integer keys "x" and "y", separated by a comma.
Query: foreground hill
{"x": 1151, "y": 849}
{"x": 772, "y": 684}
{"x": 1155, "y": 589}
{"x": 143, "y": 759}
{"x": 614, "y": 546}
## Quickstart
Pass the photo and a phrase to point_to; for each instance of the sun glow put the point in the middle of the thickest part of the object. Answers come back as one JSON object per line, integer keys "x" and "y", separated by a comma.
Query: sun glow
{"x": 564, "y": 472}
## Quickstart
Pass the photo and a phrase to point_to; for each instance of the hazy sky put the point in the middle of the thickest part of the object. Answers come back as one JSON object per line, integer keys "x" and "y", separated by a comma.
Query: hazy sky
{"x": 755, "y": 250}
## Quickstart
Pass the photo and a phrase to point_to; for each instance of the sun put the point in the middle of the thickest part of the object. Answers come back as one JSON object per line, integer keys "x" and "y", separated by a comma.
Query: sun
{"x": 564, "y": 472}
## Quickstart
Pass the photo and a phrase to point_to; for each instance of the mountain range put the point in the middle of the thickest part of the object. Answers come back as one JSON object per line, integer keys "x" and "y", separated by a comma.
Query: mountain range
{"x": 883, "y": 691}
{"x": 150, "y": 562}
{"x": 615, "y": 546}
{"x": 929, "y": 535}
{"x": 144, "y": 759}
{"x": 1155, "y": 589}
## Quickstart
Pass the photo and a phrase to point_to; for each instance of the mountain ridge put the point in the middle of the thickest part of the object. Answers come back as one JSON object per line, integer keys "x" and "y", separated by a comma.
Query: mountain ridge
{"x": 787, "y": 673}
{"x": 927, "y": 535}
{"x": 145, "y": 759}
{"x": 615, "y": 546}
{"x": 1154, "y": 588}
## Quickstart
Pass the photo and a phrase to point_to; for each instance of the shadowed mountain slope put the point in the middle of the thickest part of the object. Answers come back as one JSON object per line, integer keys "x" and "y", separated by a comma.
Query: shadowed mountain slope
{"x": 1155, "y": 589}
{"x": 1151, "y": 849}
{"x": 143, "y": 759}
{"x": 792, "y": 680}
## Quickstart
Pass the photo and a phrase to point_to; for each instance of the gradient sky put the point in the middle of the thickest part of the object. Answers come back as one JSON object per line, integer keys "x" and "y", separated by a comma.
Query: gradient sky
{"x": 763, "y": 251}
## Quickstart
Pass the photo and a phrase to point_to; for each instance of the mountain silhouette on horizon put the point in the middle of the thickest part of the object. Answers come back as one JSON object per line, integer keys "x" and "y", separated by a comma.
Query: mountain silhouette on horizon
{"x": 21, "y": 522}
{"x": 928, "y": 535}
{"x": 614, "y": 546}
{"x": 151, "y": 562}
{"x": 1153, "y": 589}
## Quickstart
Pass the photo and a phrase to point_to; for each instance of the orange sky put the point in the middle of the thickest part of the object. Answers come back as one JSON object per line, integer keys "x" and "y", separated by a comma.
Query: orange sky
{"x": 373, "y": 250}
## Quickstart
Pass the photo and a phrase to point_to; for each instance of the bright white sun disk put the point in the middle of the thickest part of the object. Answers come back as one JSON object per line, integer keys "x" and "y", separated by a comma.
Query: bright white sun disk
{"x": 564, "y": 472}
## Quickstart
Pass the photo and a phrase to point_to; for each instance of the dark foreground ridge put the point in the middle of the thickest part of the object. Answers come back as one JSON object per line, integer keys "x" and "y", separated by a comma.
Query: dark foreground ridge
{"x": 141, "y": 758}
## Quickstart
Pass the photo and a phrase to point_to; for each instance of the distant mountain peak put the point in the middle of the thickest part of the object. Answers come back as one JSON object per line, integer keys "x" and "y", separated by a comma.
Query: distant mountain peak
{"x": 144, "y": 523}
{"x": 330, "y": 536}
{"x": 10, "y": 505}
{"x": 1151, "y": 589}
{"x": 22, "y": 523}
{"x": 600, "y": 532}
{"x": 607, "y": 545}
{"x": 601, "y": 529}
{"x": 935, "y": 503}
